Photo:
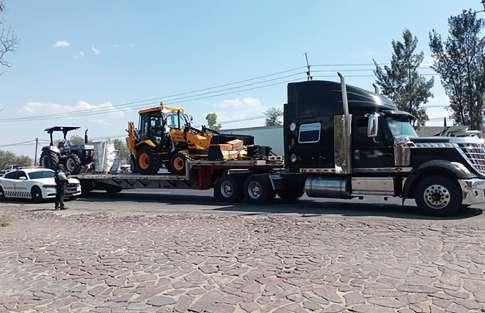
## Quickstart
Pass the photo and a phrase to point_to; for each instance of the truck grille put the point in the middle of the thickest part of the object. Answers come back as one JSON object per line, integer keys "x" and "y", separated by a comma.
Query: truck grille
{"x": 475, "y": 154}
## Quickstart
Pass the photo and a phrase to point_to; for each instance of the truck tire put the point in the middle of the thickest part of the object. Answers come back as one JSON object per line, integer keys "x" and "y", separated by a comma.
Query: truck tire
{"x": 177, "y": 163}
{"x": 228, "y": 188}
{"x": 438, "y": 195}
{"x": 73, "y": 164}
{"x": 258, "y": 189}
{"x": 49, "y": 159}
{"x": 290, "y": 194}
{"x": 147, "y": 161}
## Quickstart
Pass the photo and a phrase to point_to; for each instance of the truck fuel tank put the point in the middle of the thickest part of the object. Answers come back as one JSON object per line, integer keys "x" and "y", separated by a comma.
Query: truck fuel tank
{"x": 331, "y": 187}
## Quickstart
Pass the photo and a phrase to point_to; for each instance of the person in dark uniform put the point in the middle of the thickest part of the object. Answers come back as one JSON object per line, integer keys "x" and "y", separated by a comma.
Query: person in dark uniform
{"x": 61, "y": 183}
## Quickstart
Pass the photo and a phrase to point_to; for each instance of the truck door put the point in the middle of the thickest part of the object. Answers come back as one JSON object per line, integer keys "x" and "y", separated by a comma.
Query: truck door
{"x": 370, "y": 154}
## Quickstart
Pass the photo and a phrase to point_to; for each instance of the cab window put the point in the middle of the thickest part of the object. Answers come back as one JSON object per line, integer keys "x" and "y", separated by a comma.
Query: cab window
{"x": 12, "y": 175}
{"x": 309, "y": 133}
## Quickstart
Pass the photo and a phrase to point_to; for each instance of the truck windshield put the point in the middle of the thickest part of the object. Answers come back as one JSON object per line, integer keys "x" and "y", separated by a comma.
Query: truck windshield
{"x": 401, "y": 127}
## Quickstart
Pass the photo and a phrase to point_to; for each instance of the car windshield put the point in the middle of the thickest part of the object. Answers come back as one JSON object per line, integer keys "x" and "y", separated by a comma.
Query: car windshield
{"x": 41, "y": 174}
{"x": 401, "y": 127}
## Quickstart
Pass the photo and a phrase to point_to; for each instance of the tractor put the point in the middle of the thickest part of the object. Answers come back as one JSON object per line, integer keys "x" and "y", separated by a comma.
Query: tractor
{"x": 73, "y": 156}
{"x": 165, "y": 136}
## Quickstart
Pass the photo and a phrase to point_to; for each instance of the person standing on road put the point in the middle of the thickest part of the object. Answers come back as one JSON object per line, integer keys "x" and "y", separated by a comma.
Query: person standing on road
{"x": 61, "y": 183}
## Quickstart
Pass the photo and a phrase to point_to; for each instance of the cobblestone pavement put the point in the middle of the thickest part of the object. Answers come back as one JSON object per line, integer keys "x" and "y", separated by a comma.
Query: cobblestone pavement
{"x": 56, "y": 262}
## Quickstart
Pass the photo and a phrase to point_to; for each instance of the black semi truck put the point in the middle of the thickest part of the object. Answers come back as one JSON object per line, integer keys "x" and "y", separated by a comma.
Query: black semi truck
{"x": 340, "y": 142}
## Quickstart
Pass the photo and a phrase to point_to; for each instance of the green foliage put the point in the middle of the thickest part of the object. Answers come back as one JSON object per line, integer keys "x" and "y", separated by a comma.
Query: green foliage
{"x": 401, "y": 81}
{"x": 273, "y": 117}
{"x": 9, "y": 158}
{"x": 76, "y": 140}
{"x": 121, "y": 146}
{"x": 460, "y": 61}
{"x": 211, "y": 119}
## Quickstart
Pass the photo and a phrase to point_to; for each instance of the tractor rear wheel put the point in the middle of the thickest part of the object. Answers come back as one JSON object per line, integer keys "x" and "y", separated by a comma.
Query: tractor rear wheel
{"x": 73, "y": 164}
{"x": 49, "y": 159}
{"x": 147, "y": 161}
{"x": 177, "y": 163}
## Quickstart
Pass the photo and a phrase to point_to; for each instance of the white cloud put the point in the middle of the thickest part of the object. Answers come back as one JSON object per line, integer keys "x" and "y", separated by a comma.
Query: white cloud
{"x": 107, "y": 108}
{"x": 240, "y": 112}
{"x": 81, "y": 53}
{"x": 95, "y": 51}
{"x": 62, "y": 44}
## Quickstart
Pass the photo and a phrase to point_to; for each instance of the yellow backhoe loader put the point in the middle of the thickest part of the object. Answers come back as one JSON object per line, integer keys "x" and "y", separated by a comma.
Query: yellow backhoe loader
{"x": 165, "y": 136}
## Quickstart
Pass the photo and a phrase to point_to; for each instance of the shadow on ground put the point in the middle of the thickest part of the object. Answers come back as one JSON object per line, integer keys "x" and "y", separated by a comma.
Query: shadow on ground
{"x": 305, "y": 207}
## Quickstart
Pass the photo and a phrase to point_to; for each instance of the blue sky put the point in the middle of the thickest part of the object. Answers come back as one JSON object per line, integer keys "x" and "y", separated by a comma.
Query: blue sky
{"x": 96, "y": 55}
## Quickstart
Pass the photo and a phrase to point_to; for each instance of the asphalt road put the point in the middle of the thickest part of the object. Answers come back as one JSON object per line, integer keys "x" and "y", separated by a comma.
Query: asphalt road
{"x": 154, "y": 201}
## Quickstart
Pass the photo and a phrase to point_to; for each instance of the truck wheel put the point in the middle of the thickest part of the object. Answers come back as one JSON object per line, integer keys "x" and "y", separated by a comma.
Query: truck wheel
{"x": 258, "y": 188}
{"x": 228, "y": 188}
{"x": 177, "y": 163}
{"x": 73, "y": 164}
{"x": 147, "y": 161}
{"x": 49, "y": 159}
{"x": 36, "y": 194}
{"x": 438, "y": 195}
{"x": 291, "y": 194}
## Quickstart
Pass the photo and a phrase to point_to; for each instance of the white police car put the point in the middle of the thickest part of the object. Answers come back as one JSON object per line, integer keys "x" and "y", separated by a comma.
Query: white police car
{"x": 34, "y": 183}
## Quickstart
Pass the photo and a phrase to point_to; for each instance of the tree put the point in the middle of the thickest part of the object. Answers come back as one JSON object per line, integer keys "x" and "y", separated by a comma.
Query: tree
{"x": 7, "y": 39}
{"x": 9, "y": 158}
{"x": 401, "y": 81}
{"x": 273, "y": 117}
{"x": 460, "y": 61}
{"x": 211, "y": 119}
{"x": 121, "y": 146}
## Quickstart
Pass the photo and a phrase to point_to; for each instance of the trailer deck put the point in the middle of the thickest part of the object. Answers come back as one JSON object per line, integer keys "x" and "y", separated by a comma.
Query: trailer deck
{"x": 200, "y": 174}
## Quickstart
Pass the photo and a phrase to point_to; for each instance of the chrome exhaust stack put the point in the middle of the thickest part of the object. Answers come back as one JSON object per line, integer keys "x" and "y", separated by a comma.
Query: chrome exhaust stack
{"x": 342, "y": 135}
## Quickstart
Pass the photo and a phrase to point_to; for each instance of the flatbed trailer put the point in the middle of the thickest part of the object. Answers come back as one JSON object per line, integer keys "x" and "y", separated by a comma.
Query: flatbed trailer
{"x": 226, "y": 177}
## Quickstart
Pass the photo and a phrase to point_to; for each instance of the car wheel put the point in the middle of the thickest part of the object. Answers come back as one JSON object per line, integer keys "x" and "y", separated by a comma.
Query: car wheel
{"x": 36, "y": 194}
{"x": 2, "y": 194}
{"x": 438, "y": 195}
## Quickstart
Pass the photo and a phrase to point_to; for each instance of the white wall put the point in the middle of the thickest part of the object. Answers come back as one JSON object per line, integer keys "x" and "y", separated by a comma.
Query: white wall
{"x": 264, "y": 136}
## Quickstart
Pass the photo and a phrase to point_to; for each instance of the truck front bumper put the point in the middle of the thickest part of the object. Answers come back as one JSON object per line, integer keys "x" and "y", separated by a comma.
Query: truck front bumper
{"x": 473, "y": 190}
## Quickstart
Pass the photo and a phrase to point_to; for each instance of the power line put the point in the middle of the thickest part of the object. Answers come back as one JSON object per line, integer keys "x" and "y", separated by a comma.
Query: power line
{"x": 180, "y": 100}
{"x": 172, "y": 97}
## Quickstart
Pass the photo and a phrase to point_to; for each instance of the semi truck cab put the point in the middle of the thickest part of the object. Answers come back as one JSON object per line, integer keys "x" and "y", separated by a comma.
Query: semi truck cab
{"x": 348, "y": 142}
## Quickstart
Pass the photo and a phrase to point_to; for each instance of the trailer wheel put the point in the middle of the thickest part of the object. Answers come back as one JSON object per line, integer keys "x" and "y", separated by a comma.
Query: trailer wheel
{"x": 228, "y": 188}
{"x": 438, "y": 195}
{"x": 113, "y": 189}
{"x": 258, "y": 189}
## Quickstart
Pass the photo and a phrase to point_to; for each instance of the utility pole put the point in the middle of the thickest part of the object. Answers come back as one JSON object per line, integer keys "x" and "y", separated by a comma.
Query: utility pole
{"x": 308, "y": 75}
{"x": 36, "y": 147}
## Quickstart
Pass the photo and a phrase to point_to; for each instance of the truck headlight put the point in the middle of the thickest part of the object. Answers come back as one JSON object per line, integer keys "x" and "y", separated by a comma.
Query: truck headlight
{"x": 292, "y": 126}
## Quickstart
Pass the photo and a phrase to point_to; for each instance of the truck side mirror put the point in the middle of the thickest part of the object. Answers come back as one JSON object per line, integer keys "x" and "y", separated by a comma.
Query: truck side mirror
{"x": 373, "y": 125}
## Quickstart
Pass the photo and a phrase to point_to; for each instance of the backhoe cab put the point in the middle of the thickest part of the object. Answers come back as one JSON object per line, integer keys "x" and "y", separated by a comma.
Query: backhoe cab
{"x": 73, "y": 156}
{"x": 165, "y": 136}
